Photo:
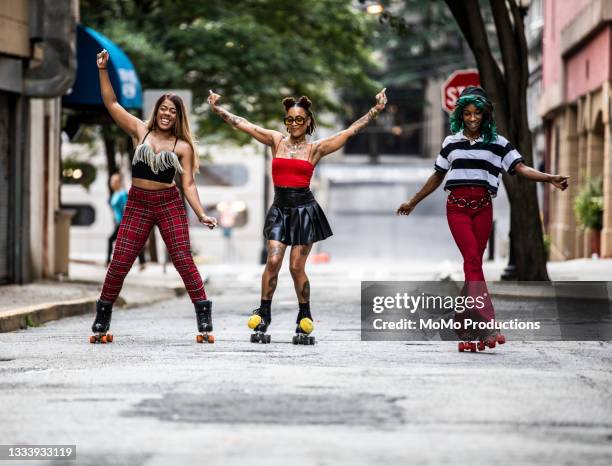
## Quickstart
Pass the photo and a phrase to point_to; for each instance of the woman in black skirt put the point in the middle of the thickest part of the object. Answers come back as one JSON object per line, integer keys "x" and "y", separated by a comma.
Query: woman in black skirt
{"x": 295, "y": 218}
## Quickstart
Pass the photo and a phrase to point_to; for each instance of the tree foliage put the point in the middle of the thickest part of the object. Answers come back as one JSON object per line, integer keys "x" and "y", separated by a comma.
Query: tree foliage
{"x": 252, "y": 52}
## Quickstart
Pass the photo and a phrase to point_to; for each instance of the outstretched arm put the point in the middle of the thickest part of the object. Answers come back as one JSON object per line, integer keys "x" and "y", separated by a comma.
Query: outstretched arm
{"x": 126, "y": 121}
{"x": 429, "y": 187}
{"x": 333, "y": 143}
{"x": 265, "y": 136}
{"x": 558, "y": 181}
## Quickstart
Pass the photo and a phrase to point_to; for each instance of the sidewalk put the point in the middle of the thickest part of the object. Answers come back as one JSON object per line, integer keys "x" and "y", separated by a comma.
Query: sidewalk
{"x": 577, "y": 270}
{"x": 36, "y": 303}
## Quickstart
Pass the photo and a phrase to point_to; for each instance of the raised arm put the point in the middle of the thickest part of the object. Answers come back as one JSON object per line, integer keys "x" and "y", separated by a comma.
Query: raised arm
{"x": 265, "y": 136}
{"x": 126, "y": 121}
{"x": 429, "y": 187}
{"x": 338, "y": 140}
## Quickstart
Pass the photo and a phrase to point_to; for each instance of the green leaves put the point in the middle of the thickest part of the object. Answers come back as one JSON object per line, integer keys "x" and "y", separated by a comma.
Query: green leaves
{"x": 252, "y": 52}
{"x": 588, "y": 205}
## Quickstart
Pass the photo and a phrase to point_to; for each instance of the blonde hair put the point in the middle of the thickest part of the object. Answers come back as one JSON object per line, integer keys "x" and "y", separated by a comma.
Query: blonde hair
{"x": 181, "y": 128}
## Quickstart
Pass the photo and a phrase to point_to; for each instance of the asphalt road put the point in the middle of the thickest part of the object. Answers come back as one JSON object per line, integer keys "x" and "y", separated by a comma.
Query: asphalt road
{"x": 155, "y": 397}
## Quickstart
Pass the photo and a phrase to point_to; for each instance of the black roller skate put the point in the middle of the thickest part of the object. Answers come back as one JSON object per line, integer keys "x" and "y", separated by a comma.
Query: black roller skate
{"x": 259, "y": 321}
{"x": 102, "y": 322}
{"x": 304, "y": 328}
{"x": 203, "y": 310}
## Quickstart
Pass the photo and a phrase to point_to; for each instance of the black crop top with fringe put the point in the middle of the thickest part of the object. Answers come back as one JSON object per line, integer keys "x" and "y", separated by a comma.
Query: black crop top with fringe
{"x": 161, "y": 167}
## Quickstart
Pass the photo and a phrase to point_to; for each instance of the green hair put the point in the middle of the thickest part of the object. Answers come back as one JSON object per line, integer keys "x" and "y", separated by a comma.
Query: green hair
{"x": 488, "y": 128}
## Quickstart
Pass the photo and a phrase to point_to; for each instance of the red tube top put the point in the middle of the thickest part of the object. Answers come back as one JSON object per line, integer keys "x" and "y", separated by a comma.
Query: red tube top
{"x": 291, "y": 173}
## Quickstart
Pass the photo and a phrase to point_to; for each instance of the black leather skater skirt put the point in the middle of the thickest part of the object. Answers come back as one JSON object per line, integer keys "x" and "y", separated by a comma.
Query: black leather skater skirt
{"x": 295, "y": 217}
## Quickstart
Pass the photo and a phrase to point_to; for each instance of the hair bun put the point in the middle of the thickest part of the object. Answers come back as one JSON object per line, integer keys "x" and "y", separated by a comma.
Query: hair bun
{"x": 288, "y": 102}
{"x": 304, "y": 102}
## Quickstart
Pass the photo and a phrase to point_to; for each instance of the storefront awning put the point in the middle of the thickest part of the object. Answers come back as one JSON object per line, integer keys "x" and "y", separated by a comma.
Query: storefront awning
{"x": 86, "y": 89}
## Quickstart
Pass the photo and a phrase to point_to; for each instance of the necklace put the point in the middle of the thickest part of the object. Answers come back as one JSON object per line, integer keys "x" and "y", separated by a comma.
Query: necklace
{"x": 293, "y": 149}
{"x": 471, "y": 139}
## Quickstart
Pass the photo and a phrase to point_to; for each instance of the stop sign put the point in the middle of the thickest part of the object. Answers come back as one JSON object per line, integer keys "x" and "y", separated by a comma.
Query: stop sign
{"x": 455, "y": 84}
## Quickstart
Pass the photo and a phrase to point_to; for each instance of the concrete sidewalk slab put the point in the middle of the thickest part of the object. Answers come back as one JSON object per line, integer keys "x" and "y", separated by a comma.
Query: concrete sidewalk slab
{"x": 31, "y": 305}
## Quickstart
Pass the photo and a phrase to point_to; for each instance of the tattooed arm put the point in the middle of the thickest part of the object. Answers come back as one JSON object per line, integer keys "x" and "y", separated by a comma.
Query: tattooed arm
{"x": 265, "y": 136}
{"x": 335, "y": 142}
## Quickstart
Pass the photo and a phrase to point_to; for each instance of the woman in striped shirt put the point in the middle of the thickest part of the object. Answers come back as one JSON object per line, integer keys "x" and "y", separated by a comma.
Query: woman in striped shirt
{"x": 472, "y": 159}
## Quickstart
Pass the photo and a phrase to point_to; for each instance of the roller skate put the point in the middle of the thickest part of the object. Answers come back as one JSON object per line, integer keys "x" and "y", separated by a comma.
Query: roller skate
{"x": 304, "y": 328}
{"x": 498, "y": 338}
{"x": 491, "y": 340}
{"x": 203, "y": 310}
{"x": 467, "y": 346}
{"x": 101, "y": 324}
{"x": 259, "y": 321}
{"x": 466, "y": 342}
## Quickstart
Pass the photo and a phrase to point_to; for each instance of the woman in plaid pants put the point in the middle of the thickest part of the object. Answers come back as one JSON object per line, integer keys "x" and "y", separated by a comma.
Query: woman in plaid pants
{"x": 164, "y": 147}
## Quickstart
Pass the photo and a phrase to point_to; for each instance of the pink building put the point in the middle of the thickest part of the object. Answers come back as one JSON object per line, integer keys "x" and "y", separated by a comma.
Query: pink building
{"x": 575, "y": 106}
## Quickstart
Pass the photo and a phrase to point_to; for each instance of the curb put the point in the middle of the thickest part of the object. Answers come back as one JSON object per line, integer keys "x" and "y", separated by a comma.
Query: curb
{"x": 512, "y": 290}
{"x": 38, "y": 314}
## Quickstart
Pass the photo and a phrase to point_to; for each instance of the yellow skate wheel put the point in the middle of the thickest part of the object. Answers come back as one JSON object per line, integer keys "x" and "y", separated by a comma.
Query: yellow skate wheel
{"x": 254, "y": 321}
{"x": 306, "y": 325}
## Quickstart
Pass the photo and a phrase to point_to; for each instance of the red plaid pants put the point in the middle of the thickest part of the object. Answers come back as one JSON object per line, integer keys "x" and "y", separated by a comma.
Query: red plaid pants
{"x": 144, "y": 210}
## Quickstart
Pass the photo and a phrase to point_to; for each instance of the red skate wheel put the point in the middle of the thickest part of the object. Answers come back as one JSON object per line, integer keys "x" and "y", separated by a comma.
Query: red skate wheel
{"x": 501, "y": 339}
{"x": 92, "y": 339}
{"x": 491, "y": 343}
{"x": 200, "y": 338}
{"x": 109, "y": 338}
{"x": 103, "y": 339}
{"x": 473, "y": 347}
{"x": 211, "y": 338}
{"x": 461, "y": 347}
{"x": 481, "y": 346}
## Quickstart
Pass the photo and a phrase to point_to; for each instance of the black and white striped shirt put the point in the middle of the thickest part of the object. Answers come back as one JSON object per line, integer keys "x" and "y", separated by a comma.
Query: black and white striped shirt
{"x": 476, "y": 163}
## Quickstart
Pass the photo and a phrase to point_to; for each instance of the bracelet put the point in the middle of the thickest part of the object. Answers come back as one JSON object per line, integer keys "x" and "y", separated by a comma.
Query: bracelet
{"x": 101, "y": 68}
{"x": 373, "y": 113}
{"x": 200, "y": 217}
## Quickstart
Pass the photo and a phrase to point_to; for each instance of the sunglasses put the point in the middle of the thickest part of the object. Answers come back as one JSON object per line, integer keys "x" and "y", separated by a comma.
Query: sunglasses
{"x": 298, "y": 119}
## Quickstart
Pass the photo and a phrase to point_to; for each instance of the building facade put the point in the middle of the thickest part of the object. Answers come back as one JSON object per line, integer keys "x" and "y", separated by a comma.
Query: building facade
{"x": 37, "y": 66}
{"x": 575, "y": 108}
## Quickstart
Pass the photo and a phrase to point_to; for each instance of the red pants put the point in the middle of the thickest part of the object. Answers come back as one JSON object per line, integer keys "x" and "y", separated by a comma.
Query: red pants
{"x": 143, "y": 211}
{"x": 471, "y": 229}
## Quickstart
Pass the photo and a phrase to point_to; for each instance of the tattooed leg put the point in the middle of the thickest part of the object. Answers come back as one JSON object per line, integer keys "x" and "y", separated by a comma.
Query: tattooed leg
{"x": 297, "y": 266}
{"x": 269, "y": 279}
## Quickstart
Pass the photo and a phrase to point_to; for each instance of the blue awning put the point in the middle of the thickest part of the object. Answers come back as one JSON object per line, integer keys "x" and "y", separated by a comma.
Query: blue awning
{"x": 86, "y": 89}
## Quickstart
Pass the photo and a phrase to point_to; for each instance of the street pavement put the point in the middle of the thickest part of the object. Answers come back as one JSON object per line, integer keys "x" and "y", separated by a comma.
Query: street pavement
{"x": 361, "y": 203}
{"x": 156, "y": 397}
